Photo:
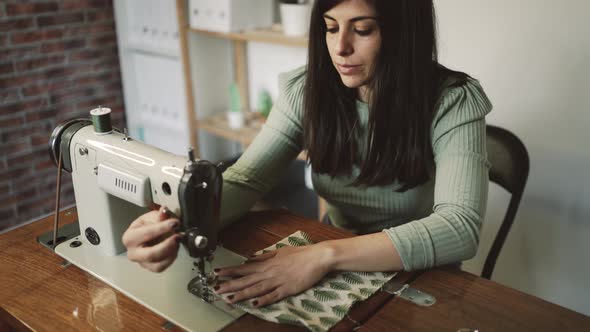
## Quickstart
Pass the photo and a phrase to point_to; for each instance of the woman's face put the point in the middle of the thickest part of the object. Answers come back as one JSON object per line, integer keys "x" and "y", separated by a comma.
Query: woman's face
{"x": 353, "y": 39}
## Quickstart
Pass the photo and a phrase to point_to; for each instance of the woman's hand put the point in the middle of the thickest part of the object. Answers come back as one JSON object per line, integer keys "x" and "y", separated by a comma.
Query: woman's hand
{"x": 275, "y": 275}
{"x": 151, "y": 241}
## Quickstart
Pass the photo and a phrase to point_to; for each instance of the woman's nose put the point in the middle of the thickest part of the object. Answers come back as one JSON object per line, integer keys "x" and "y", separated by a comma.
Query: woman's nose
{"x": 343, "y": 44}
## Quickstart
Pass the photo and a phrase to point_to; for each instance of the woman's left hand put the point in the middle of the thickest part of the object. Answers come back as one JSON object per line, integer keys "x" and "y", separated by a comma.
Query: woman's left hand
{"x": 275, "y": 275}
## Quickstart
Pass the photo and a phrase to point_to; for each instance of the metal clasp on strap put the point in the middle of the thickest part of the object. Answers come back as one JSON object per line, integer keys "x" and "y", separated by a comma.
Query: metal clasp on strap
{"x": 410, "y": 294}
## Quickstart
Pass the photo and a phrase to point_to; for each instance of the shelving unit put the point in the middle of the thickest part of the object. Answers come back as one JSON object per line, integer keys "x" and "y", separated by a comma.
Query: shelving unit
{"x": 216, "y": 124}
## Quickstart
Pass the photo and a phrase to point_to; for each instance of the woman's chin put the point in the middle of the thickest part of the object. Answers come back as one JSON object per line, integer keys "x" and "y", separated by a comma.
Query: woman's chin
{"x": 352, "y": 82}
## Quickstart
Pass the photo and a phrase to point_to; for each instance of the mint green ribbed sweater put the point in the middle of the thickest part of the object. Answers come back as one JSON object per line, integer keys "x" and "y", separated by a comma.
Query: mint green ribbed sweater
{"x": 432, "y": 224}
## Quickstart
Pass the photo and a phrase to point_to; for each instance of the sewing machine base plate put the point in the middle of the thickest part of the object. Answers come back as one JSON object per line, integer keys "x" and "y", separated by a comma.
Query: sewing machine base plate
{"x": 164, "y": 293}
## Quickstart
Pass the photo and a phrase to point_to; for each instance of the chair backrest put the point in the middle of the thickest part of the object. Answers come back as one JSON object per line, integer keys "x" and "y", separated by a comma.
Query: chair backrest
{"x": 510, "y": 170}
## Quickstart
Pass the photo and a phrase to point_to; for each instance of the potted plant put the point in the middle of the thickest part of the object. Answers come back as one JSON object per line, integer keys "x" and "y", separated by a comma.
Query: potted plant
{"x": 295, "y": 15}
{"x": 235, "y": 116}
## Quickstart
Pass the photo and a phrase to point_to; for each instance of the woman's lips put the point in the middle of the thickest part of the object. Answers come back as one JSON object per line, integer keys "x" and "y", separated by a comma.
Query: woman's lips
{"x": 348, "y": 70}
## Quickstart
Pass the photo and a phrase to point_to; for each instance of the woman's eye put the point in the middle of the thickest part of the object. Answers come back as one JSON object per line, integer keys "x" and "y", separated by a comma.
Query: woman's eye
{"x": 331, "y": 30}
{"x": 363, "y": 32}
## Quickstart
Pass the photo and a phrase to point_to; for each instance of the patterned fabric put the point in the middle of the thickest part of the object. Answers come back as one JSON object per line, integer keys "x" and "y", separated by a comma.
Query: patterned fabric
{"x": 322, "y": 306}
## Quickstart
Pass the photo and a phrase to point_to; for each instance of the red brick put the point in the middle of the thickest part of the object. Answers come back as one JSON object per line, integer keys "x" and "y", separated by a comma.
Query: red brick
{"x": 15, "y": 173}
{"x": 100, "y": 78}
{"x": 99, "y": 15}
{"x": 35, "y": 36}
{"x": 89, "y": 29}
{"x": 49, "y": 20}
{"x": 34, "y": 208}
{"x": 22, "y": 106}
{"x": 20, "y": 80}
{"x": 21, "y": 52}
{"x": 10, "y": 25}
{"x": 25, "y": 159}
{"x": 104, "y": 40}
{"x": 88, "y": 54}
{"x": 11, "y": 122}
{"x": 43, "y": 87}
{"x": 26, "y": 194}
{"x": 63, "y": 45}
{"x": 6, "y": 68}
{"x": 13, "y": 148}
{"x": 37, "y": 63}
{"x": 37, "y": 140}
{"x": 14, "y": 134}
{"x": 60, "y": 97}
{"x": 40, "y": 115}
{"x": 84, "y": 4}
{"x": 14, "y": 9}
{"x": 89, "y": 104}
{"x": 4, "y": 189}
{"x": 3, "y": 39}
{"x": 112, "y": 87}
{"x": 6, "y": 216}
{"x": 8, "y": 96}
{"x": 46, "y": 164}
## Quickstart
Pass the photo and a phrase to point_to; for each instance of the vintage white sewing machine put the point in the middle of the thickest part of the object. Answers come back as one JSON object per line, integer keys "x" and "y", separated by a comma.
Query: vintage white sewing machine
{"x": 116, "y": 179}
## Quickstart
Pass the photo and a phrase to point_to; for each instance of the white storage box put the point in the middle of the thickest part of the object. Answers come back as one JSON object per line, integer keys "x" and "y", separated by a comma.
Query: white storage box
{"x": 230, "y": 15}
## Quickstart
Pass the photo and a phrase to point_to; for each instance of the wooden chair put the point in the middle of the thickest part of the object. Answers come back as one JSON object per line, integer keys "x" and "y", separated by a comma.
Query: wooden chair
{"x": 510, "y": 170}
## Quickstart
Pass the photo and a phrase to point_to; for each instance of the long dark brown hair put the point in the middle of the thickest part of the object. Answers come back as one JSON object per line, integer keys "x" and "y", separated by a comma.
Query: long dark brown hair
{"x": 404, "y": 88}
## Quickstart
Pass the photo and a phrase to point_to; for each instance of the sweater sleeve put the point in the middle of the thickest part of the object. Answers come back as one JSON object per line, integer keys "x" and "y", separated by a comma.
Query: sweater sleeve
{"x": 451, "y": 233}
{"x": 274, "y": 148}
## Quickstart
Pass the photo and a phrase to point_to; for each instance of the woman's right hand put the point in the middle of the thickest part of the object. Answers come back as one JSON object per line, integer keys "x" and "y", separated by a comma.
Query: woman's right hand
{"x": 151, "y": 241}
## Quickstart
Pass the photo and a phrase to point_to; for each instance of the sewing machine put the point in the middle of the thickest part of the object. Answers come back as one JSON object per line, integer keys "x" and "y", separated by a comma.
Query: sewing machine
{"x": 116, "y": 179}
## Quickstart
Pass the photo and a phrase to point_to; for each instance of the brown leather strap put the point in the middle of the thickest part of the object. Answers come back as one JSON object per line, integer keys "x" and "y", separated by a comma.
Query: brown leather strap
{"x": 363, "y": 311}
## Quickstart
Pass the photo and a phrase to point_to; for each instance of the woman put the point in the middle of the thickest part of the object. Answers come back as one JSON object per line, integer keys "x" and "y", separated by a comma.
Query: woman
{"x": 397, "y": 148}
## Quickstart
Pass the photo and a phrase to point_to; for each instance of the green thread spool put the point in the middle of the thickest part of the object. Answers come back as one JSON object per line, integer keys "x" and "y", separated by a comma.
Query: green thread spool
{"x": 101, "y": 120}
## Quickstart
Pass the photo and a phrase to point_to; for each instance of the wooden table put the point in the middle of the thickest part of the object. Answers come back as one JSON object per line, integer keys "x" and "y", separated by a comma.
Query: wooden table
{"x": 37, "y": 293}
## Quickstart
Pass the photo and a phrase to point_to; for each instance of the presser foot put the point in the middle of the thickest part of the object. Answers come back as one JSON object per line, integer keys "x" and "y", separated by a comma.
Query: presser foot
{"x": 202, "y": 283}
{"x": 200, "y": 286}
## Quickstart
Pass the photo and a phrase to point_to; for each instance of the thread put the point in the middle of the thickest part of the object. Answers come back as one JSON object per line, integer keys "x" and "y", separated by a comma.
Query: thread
{"x": 101, "y": 120}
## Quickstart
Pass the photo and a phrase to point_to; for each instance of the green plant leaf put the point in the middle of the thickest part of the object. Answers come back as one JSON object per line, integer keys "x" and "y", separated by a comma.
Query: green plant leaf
{"x": 366, "y": 292}
{"x": 353, "y": 279}
{"x": 290, "y": 300}
{"x": 312, "y": 306}
{"x": 288, "y": 319}
{"x": 269, "y": 308}
{"x": 280, "y": 245}
{"x": 378, "y": 282}
{"x": 325, "y": 295}
{"x": 354, "y": 297}
{"x": 340, "y": 310}
{"x": 306, "y": 237}
{"x": 296, "y": 241}
{"x": 328, "y": 321}
{"x": 338, "y": 285}
{"x": 299, "y": 313}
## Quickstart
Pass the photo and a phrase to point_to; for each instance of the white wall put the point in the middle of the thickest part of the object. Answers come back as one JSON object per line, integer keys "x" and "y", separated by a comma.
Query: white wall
{"x": 531, "y": 57}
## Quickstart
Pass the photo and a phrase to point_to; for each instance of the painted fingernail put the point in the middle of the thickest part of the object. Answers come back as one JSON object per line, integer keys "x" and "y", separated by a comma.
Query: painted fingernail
{"x": 255, "y": 303}
{"x": 216, "y": 270}
{"x": 216, "y": 288}
{"x": 174, "y": 224}
{"x": 230, "y": 297}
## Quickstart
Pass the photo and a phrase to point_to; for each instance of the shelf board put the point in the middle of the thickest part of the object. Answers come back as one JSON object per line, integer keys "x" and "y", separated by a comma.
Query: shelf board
{"x": 270, "y": 36}
{"x": 217, "y": 125}
{"x": 131, "y": 47}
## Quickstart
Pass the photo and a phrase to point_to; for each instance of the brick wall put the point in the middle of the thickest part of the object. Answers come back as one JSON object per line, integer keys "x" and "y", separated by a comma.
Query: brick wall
{"x": 58, "y": 60}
